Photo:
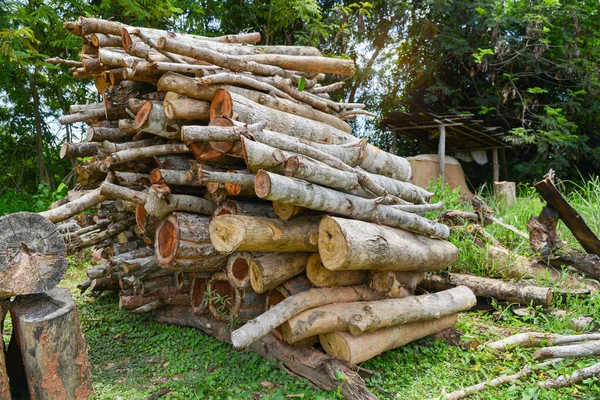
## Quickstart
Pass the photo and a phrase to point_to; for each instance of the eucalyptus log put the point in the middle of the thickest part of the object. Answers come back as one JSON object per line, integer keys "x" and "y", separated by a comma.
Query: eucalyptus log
{"x": 537, "y": 339}
{"x": 238, "y": 269}
{"x": 294, "y": 305}
{"x": 131, "y": 179}
{"x": 152, "y": 119}
{"x": 575, "y": 350}
{"x": 319, "y": 276}
{"x": 360, "y": 317}
{"x": 232, "y": 105}
{"x": 79, "y": 150}
{"x": 151, "y": 151}
{"x": 493, "y": 288}
{"x": 182, "y": 243}
{"x": 307, "y": 362}
{"x": 187, "y": 109}
{"x": 229, "y": 303}
{"x": 278, "y": 188}
{"x": 270, "y": 270}
{"x": 380, "y": 162}
{"x": 32, "y": 255}
{"x": 395, "y": 284}
{"x": 356, "y": 349}
{"x": 159, "y": 206}
{"x": 230, "y": 233}
{"x": 54, "y": 354}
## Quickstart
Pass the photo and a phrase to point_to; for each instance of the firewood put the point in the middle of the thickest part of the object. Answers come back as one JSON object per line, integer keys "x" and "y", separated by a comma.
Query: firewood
{"x": 131, "y": 179}
{"x": 356, "y": 349}
{"x": 278, "y": 188}
{"x": 198, "y": 299}
{"x": 576, "y": 377}
{"x": 294, "y": 305}
{"x": 151, "y": 118}
{"x": 494, "y": 288}
{"x": 228, "y": 303}
{"x": 32, "y": 254}
{"x": 230, "y": 233}
{"x": 235, "y": 183}
{"x": 320, "y": 276}
{"x": 395, "y": 284}
{"x": 187, "y": 109}
{"x": 536, "y": 339}
{"x": 151, "y": 151}
{"x": 56, "y": 366}
{"x": 286, "y": 211}
{"x": 238, "y": 269}
{"x": 182, "y": 243}
{"x": 575, "y": 350}
{"x": 250, "y": 209}
{"x": 360, "y": 317}
{"x": 270, "y": 270}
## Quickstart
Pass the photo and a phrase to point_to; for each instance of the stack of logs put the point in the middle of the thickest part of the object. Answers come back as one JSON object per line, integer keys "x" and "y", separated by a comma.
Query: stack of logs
{"x": 224, "y": 169}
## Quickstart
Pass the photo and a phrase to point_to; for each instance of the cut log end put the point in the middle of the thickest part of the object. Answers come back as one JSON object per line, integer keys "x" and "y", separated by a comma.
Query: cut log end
{"x": 142, "y": 116}
{"x": 228, "y": 234}
{"x": 263, "y": 184}
{"x": 167, "y": 241}
{"x": 221, "y": 105}
{"x": 332, "y": 245}
{"x": 198, "y": 294}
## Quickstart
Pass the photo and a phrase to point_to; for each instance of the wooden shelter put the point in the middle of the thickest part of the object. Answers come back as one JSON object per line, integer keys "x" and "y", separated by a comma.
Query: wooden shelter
{"x": 449, "y": 133}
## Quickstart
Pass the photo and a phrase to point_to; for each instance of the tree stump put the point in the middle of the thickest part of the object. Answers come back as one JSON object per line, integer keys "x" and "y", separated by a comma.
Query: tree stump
{"x": 48, "y": 333}
{"x": 31, "y": 255}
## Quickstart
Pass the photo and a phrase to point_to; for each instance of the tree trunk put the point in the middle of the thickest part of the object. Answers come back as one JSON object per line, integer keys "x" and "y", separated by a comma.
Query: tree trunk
{"x": 286, "y": 211}
{"x": 230, "y": 233}
{"x": 306, "y": 362}
{"x": 159, "y": 206}
{"x": 494, "y": 288}
{"x": 278, "y": 188}
{"x": 232, "y": 105}
{"x": 294, "y": 305}
{"x": 182, "y": 243}
{"x": 346, "y": 244}
{"x": 32, "y": 255}
{"x": 39, "y": 139}
{"x": 360, "y": 317}
{"x": 231, "y": 304}
{"x": 326, "y": 65}
{"x": 270, "y": 270}
{"x": 356, "y": 349}
{"x": 320, "y": 276}
{"x": 52, "y": 345}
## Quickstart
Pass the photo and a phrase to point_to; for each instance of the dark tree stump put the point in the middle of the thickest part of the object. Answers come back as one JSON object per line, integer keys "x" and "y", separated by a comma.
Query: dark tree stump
{"x": 47, "y": 331}
{"x": 31, "y": 255}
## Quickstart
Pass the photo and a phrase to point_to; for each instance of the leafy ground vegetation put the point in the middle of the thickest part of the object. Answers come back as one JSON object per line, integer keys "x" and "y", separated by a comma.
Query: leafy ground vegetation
{"x": 134, "y": 357}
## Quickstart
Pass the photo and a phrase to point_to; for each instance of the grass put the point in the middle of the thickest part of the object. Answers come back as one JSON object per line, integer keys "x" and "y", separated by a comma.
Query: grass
{"x": 133, "y": 357}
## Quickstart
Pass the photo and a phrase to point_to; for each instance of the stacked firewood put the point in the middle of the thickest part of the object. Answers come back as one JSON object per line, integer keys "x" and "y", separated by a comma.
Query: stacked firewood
{"x": 250, "y": 200}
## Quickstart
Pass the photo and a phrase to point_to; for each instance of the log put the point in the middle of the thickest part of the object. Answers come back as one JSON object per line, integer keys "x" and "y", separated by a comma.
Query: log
{"x": 536, "y": 339}
{"x": 152, "y": 118}
{"x": 395, "y": 284}
{"x": 588, "y": 240}
{"x": 182, "y": 243}
{"x": 576, "y": 350}
{"x": 294, "y": 305}
{"x": 576, "y": 377}
{"x": 359, "y": 317}
{"x": 230, "y": 233}
{"x": 306, "y": 362}
{"x": 79, "y": 150}
{"x": 286, "y": 211}
{"x": 236, "y": 183}
{"x": 4, "y": 384}
{"x": 88, "y": 116}
{"x": 379, "y": 162}
{"x": 356, "y": 349}
{"x": 270, "y": 270}
{"x": 150, "y": 151}
{"x": 159, "y": 206}
{"x": 131, "y": 179}
{"x": 173, "y": 177}
{"x": 238, "y": 269}
{"x": 327, "y": 65}
{"x": 319, "y": 276}
{"x": 32, "y": 255}
{"x": 198, "y": 298}
{"x": 278, "y": 188}
{"x": 231, "y": 304}
{"x": 542, "y": 232}
{"x": 187, "y": 109}
{"x": 493, "y": 288}
{"x": 232, "y": 105}
{"x": 249, "y": 209}
{"x": 346, "y": 244}
{"x": 506, "y": 192}
{"x": 52, "y": 345}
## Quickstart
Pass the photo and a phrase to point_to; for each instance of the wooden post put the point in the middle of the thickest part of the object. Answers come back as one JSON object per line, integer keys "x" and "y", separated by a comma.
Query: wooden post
{"x": 394, "y": 142}
{"x": 442, "y": 153}
{"x": 503, "y": 162}
{"x": 496, "y": 165}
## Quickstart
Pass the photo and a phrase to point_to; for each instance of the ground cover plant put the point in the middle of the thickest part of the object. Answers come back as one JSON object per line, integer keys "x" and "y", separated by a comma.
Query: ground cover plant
{"x": 134, "y": 357}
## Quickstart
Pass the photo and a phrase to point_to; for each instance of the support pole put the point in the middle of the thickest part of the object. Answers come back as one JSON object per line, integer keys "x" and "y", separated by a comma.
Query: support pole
{"x": 496, "y": 165}
{"x": 394, "y": 143}
{"x": 442, "y": 153}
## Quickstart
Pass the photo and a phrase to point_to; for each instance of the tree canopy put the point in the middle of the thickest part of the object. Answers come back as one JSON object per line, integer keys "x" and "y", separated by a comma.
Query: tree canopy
{"x": 529, "y": 67}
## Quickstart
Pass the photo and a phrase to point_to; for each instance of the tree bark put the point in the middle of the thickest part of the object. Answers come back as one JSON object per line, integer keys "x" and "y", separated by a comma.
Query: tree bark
{"x": 360, "y": 317}
{"x": 320, "y": 276}
{"x": 77, "y": 150}
{"x": 576, "y": 350}
{"x": 395, "y": 284}
{"x": 152, "y": 119}
{"x": 199, "y": 300}
{"x": 377, "y": 161}
{"x": 346, "y": 244}
{"x": 270, "y": 270}
{"x": 278, "y": 188}
{"x": 230, "y": 233}
{"x": 536, "y": 339}
{"x": 52, "y": 345}
{"x": 182, "y": 243}
{"x": 494, "y": 288}
{"x": 32, "y": 255}
{"x": 151, "y": 151}
{"x": 294, "y": 305}
{"x": 356, "y": 349}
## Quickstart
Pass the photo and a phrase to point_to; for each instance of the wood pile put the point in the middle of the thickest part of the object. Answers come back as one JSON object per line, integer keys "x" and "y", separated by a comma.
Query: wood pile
{"x": 231, "y": 193}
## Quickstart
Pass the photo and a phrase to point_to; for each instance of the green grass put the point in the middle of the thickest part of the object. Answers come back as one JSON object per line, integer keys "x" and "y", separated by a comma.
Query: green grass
{"x": 134, "y": 357}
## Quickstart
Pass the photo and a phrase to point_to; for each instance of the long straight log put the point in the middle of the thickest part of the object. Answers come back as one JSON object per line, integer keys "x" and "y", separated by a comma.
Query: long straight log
{"x": 159, "y": 206}
{"x": 294, "y": 305}
{"x": 494, "y": 288}
{"x": 327, "y": 65}
{"x": 306, "y": 362}
{"x": 356, "y": 349}
{"x": 150, "y": 151}
{"x": 575, "y": 350}
{"x": 360, "y": 317}
{"x": 74, "y": 207}
{"x": 229, "y": 233}
{"x": 182, "y": 243}
{"x": 77, "y": 150}
{"x": 536, "y": 339}
{"x": 270, "y": 270}
{"x": 99, "y": 134}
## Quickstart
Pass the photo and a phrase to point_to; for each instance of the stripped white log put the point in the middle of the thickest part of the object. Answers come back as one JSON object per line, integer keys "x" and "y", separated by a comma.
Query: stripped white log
{"x": 536, "y": 339}
{"x": 568, "y": 351}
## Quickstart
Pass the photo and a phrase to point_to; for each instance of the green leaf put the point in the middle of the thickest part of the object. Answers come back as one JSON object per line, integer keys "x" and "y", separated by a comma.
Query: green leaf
{"x": 301, "y": 83}
{"x": 340, "y": 376}
{"x": 480, "y": 11}
{"x": 536, "y": 90}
